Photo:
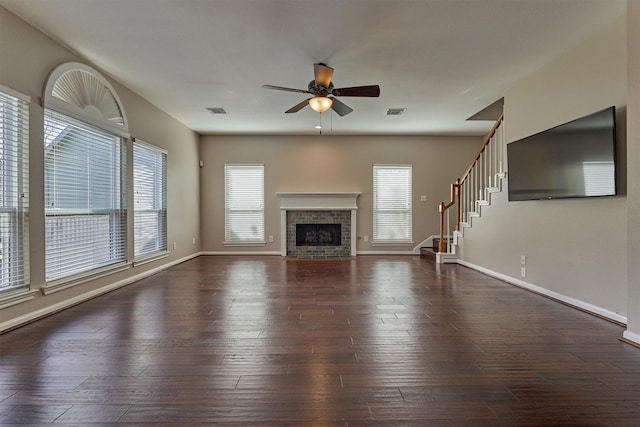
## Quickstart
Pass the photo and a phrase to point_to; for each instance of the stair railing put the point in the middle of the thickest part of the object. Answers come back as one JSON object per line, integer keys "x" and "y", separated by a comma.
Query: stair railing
{"x": 466, "y": 193}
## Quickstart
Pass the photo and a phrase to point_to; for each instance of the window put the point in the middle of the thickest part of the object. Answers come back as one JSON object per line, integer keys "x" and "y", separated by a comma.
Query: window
{"x": 14, "y": 188}
{"x": 149, "y": 199}
{"x": 392, "y": 204}
{"x": 85, "y": 132}
{"x": 85, "y": 215}
{"x": 244, "y": 204}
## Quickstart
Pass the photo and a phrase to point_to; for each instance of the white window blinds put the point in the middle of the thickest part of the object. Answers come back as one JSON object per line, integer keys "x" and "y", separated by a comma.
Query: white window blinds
{"x": 244, "y": 203}
{"x": 14, "y": 188}
{"x": 149, "y": 199}
{"x": 392, "y": 203}
{"x": 85, "y": 215}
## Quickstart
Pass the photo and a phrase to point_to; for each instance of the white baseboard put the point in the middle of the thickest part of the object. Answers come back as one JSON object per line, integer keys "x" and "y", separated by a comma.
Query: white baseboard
{"x": 631, "y": 337}
{"x": 386, "y": 253}
{"x": 34, "y": 315}
{"x": 270, "y": 253}
{"x": 599, "y": 311}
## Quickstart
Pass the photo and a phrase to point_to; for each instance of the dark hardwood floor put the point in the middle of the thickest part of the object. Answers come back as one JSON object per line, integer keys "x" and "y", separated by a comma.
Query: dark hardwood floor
{"x": 374, "y": 341}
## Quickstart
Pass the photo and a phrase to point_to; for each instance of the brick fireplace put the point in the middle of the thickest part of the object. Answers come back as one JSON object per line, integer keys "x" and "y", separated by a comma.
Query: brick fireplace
{"x": 321, "y": 217}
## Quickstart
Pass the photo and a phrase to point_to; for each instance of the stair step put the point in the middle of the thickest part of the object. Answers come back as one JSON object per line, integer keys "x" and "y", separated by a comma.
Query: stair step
{"x": 428, "y": 252}
{"x": 444, "y": 258}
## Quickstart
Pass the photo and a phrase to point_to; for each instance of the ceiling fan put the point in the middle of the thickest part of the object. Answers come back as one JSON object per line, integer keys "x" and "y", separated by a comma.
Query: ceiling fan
{"x": 324, "y": 94}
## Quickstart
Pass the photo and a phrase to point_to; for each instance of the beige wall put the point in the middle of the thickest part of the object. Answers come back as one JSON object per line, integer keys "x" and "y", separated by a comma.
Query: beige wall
{"x": 325, "y": 163}
{"x": 26, "y": 59}
{"x": 633, "y": 170}
{"x": 575, "y": 248}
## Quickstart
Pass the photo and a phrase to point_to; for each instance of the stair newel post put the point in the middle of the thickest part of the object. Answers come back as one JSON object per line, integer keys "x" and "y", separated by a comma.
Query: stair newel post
{"x": 441, "y": 242}
{"x": 478, "y": 174}
{"x": 472, "y": 190}
{"x": 501, "y": 144}
{"x": 458, "y": 207}
{"x": 482, "y": 181}
{"x": 503, "y": 149}
{"x": 498, "y": 151}
{"x": 487, "y": 175}
{"x": 478, "y": 183}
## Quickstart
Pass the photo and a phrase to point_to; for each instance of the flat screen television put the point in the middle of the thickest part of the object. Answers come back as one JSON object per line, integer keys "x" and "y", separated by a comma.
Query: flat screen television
{"x": 575, "y": 159}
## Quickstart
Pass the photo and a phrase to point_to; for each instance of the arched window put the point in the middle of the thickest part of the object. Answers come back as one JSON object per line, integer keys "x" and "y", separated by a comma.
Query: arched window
{"x": 85, "y": 132}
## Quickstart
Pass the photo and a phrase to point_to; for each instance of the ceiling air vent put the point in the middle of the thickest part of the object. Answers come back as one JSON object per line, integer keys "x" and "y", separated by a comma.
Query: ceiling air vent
{"x": 216, "y": 110}
{"x": 395, "y": 111}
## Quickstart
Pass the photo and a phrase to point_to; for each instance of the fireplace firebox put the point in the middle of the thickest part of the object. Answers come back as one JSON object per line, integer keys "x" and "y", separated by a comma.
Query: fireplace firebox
{"x": 318, "y": 234}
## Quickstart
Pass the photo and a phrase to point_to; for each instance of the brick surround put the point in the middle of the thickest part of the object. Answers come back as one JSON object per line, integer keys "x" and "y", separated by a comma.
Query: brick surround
{"x": 318, "y": 208}
{"x": 319, "y": 217}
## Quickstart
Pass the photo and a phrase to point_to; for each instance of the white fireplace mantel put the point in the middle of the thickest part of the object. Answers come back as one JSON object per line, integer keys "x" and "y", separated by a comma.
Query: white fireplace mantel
{"x": 317, "y": 201}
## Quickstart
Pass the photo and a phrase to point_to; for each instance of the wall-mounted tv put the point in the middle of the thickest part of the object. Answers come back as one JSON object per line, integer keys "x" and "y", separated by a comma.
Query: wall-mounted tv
{"x": 575, "y": 159}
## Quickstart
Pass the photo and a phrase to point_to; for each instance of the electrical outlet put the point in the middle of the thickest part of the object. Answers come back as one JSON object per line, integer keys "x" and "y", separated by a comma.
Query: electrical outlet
{"x": 271, "y": 238}
{"x": 523, "y": 272}
{"x": 523, "y": 260}
{"x": 423, "y": 198}
{"x": 193, "y": 241}
{"x": 366, "y": 238}
{"x": 174, "y": 246}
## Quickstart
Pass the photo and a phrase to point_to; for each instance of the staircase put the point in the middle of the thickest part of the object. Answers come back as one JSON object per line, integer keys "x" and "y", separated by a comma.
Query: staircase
{"x": 472, "y": 191}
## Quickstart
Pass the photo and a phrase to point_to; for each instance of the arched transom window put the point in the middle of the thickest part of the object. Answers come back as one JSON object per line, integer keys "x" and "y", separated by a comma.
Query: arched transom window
{"x": 85, "y": 132}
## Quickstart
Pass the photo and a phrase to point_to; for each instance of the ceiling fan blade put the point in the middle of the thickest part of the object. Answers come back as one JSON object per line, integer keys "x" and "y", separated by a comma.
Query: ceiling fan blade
{"x": 323, "y": 74}
{"x": 371, "y": 91}
{"x": 298, "y": 107}
{"x": 340, "y": 107}
{"x": 288, "y": 89}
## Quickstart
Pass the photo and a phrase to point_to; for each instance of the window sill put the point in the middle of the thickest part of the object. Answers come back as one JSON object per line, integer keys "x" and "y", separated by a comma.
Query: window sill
{"x": 150, "y": 258}
{"x": 255, "y": 243}
{"x": 68, "y": 282}
{"x": 392, "y": 243}
{"x": 17, "y": 296}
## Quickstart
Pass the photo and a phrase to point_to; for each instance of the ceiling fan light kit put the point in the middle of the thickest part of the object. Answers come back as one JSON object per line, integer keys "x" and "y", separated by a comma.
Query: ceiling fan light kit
{"x": 324, "y": 93}
{"x": 320, "y": 103}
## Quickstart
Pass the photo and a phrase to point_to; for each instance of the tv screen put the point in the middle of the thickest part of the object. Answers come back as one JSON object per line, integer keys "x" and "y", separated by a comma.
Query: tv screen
{"x": 575, "y": 159}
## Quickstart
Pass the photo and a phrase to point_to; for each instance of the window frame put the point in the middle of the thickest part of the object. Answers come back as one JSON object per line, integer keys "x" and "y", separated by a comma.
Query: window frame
{"x": 258, "y": 207}
{"x": 83, "y": 97}
{"x": 63, "y": 215}
{"x": 158, "y": 200}
{"x": 381, "y": 237}
{"x": 14, "y": 194}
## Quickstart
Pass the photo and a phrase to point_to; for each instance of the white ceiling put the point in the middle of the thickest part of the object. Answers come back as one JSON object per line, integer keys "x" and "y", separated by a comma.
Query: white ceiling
{"x": 442, "y": 60}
